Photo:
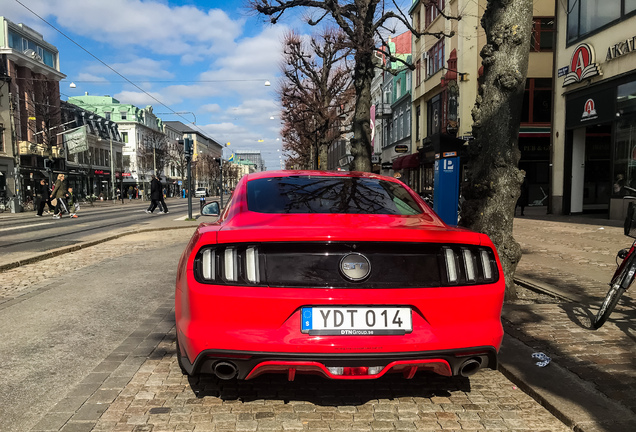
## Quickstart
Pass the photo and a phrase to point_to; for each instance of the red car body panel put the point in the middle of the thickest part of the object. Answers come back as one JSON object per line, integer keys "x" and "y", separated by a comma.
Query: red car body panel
{"x": 266, "y": 320}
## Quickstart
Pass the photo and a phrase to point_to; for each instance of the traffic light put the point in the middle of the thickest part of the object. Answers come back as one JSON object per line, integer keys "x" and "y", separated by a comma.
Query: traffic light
{"x": 48, "y": 164}
{"x": 188, "y": 147}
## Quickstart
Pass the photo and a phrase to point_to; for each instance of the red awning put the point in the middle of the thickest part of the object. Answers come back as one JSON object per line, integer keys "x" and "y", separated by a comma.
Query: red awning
{"x": 407, "y": 162}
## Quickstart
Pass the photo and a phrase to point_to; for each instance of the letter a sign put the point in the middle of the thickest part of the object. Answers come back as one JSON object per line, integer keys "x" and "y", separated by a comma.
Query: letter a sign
{"x": 582, "y": 65}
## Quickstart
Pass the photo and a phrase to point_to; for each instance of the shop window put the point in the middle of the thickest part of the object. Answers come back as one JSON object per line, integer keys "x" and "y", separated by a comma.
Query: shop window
{"x": 542, "y": 34}
{"x": 537, "y": 101}
{"x": 625, "y": 143}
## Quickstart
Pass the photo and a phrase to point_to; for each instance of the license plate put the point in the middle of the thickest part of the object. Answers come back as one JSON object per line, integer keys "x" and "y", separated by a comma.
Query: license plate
{"x": 356, "y": 321}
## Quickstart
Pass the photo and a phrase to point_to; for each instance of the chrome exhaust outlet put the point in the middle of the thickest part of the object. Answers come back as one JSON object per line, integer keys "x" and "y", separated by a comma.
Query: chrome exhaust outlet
{"x": 225, "y": 370}
{"x": 470, "y": 367}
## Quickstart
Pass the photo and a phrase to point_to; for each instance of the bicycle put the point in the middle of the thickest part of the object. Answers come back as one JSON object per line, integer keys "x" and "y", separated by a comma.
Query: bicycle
{"x": 625, "y": 271}
{"x": 28, "y": 204}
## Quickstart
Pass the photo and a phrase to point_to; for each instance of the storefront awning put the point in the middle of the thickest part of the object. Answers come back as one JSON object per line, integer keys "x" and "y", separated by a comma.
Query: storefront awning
{"x": 407, "y": 162}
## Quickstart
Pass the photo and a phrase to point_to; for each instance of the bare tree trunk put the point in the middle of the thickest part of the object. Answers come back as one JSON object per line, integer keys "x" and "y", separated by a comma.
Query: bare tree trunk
{"x": 361, "y": 141}
{"x": 494, "y": 177}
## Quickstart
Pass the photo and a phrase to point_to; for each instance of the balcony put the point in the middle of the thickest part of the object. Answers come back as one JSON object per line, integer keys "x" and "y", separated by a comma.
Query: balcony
{"x": 29, "y": 148}
{"x": 383, "y": 110}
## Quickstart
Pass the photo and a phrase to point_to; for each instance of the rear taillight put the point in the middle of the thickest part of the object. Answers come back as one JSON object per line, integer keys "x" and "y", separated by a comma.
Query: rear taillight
{"x": 468, "y": 265}
{"x": 228, "y": 265}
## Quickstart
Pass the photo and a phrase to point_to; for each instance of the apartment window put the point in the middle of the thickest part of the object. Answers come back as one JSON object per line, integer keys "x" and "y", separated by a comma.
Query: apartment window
{"x": 433, "y": 10}
{"x": 435, "y": 59}
{"x": 434, "y": 110}
{"x": 122, "y": 115}
{"x": 107, "y": 115}
{"x": 407, "y": 119}
{"x": 417, "y": 23}
{"x": 537, "y": 101}
{"x": 418, "y": 73}
{"x": 124, "y": 137}
{"x": 417, "y": 123}
{"x": 2, "y": 138}
{"x": 398, "y": 89}
{"x": 590, "y": 15}
{"x": 542, "y": 34}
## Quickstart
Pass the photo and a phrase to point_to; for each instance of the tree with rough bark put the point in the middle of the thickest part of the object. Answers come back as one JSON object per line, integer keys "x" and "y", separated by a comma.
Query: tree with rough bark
{"x": 494, "y": 178}
{"x": 316, "y": 79}
{"x": 364, "y": 22}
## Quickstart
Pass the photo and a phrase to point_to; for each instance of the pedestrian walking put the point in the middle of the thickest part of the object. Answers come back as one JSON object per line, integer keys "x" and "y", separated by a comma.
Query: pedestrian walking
{"x": 156, "y": 196}
{"x": 41, "y": 197}
{"x": 523, "y": 198}
{"x": 72, "y": 203}
{"x": 118, "y": 192}
{"x": 59, "y": 195}
{"x": 130, "y": 193}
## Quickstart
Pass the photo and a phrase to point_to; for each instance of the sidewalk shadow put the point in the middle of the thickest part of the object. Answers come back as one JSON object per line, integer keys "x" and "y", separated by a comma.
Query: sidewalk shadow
{"x": 324, "y": 392}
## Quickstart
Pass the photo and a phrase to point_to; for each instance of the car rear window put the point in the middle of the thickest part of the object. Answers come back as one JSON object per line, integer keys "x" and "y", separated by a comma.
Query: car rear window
{"x": 307, "y": 194}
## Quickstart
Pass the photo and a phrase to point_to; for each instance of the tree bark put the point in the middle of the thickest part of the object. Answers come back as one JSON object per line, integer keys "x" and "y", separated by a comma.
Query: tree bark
{"x": 361, "y": 142}
{"x": 494, "y": 178}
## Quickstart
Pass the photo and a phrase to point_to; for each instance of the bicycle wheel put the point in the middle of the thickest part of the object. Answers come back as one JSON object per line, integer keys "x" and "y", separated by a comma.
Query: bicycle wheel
{"x": 610, "y": 302}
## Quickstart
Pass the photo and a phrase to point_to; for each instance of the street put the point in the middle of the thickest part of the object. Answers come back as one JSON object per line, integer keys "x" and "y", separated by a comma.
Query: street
{"x": 24, "y": 235}
{"x": 89, "y": 344}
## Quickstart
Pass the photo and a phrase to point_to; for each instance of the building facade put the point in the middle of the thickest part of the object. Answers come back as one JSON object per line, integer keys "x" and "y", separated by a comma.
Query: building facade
{"x": 445, "y": 85}
{"x": 594, "y": 134}
{"x": 142, "y": 132}
{"x": 93, "y": 150}
{"x": 30, "y": 113}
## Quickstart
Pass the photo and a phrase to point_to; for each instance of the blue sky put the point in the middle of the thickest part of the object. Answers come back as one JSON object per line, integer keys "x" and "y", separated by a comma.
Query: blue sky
{"x": 210, "y": 58}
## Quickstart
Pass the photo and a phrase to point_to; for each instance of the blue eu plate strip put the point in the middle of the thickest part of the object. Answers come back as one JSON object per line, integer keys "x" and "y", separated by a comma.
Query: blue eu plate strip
{"x": 306, "y": 314}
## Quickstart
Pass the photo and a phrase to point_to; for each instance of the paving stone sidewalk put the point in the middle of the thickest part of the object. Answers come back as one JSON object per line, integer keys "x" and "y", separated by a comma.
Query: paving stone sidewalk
{"x": 575, "y": 259}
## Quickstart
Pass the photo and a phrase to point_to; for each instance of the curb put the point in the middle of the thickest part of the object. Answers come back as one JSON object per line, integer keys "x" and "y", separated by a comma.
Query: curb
{"x": 576, "y": 403}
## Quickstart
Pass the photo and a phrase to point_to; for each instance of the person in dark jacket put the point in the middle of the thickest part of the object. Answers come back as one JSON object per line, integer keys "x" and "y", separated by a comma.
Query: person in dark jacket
{"x": 59, "y": 193}
{"x": 155, "y": 194}
{"x": 41, "y": 197}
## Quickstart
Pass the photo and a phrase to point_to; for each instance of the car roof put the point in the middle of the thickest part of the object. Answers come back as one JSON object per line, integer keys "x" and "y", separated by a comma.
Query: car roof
{"x": 317, "y": 173}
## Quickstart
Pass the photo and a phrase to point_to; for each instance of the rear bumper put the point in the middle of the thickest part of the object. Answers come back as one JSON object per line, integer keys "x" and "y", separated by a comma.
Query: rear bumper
{"x": 248, "y": 365}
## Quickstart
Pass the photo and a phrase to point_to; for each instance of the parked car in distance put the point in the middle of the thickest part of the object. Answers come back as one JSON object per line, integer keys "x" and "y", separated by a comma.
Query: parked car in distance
{"x": 201, "y": 192}
{"x": 343, "y": 274}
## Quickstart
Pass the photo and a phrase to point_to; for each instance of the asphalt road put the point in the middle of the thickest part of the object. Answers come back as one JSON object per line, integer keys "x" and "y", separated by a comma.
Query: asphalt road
{"x": 24, "y": 235}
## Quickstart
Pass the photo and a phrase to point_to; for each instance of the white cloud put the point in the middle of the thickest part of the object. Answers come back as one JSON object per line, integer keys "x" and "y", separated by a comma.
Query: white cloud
{"x": 153, "y": 25}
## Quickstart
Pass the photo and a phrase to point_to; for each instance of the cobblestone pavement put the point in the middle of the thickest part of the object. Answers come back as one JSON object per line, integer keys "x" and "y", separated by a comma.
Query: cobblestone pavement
{"x": 577, "y": 260}
{"x": 139, "y": 386}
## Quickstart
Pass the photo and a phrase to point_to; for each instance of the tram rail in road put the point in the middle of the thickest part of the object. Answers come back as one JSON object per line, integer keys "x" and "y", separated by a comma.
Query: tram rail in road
{"x": 23, "y": 236}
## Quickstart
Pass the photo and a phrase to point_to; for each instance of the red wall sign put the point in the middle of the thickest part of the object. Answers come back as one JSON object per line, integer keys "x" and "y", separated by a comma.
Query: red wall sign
{"x": 582, "y": 65}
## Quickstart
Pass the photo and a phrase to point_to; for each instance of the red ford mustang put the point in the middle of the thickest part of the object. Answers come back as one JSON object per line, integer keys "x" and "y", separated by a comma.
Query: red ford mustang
{"x": 347, "y": 275}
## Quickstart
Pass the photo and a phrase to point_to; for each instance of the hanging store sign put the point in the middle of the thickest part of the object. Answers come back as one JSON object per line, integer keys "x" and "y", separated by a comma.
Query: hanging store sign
{"x": 401, "y": 148}
{"x": 582, "y": 65}
{"x": 598, "y": 106}
{"x": 76, "y": 140}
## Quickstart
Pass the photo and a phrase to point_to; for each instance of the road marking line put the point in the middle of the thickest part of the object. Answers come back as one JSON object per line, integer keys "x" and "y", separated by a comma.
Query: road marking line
{"x": 181, "y": 218}
{"x": 26, "y": 226}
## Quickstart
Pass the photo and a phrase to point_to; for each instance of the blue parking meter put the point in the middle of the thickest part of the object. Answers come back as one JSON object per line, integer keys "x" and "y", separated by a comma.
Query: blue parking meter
{"x": 446, "y": 195}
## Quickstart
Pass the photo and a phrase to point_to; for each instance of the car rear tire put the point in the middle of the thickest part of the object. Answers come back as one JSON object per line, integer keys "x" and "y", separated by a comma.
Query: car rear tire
{"x": 179, "y": 361}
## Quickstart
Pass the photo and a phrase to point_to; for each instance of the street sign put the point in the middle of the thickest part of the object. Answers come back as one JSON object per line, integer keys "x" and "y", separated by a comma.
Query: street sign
{"x": 402, "y": 148}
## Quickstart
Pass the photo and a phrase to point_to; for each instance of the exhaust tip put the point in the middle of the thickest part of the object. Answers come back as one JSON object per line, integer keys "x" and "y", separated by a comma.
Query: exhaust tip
{"x": 470, "y": 367}
{"x": 225, "y": 370}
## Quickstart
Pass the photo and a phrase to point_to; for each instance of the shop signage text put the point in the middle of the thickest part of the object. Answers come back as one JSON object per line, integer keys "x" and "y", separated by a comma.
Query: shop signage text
{"x": 402, "y": 148}
{"x": 582, "y": 66}
{"x": 620, "y": 49}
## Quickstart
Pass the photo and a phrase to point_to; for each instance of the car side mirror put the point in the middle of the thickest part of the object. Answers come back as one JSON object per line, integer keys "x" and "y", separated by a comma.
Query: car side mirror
{"x": 211, "y": 209}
